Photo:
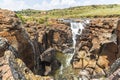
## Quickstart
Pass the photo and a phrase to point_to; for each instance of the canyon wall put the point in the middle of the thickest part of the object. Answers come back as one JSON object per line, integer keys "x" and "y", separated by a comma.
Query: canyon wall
{"x": 29, "y": 50}
{"x": 97, "y": 47}
{"x": 17, "y": 52}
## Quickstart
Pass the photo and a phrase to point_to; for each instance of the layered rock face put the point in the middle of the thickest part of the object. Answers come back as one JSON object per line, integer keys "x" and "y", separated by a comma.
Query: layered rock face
{"x": 32, "y": 49}
{"x": 97, "y": 47}
{"x": 13, "y": 68}
{"x": 31, "y": 42}
{"x": 16, "y": 49}
{"x": 115, "y": 68}
{"x": 12, "y": 30}
{"x": 56, "y": 36}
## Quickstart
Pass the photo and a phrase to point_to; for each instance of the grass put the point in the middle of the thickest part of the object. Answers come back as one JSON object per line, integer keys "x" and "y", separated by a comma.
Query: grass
{"x": 91, "y": 11}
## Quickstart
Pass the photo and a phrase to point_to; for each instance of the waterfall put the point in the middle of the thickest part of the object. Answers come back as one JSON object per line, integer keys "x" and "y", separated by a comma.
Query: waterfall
{"x": 76, "y": 30}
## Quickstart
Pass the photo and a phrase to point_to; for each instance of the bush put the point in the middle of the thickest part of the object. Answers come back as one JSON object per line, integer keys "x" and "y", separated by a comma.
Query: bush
{"x": 21, "y": 18}
{"x": 41, "y": 21}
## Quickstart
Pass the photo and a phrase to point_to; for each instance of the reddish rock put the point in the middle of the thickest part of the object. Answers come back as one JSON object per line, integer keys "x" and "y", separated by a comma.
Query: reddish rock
{"x": 99, "y": 47}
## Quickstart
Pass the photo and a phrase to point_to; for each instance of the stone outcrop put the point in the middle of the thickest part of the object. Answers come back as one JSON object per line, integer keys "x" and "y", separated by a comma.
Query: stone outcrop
{"x": 96, "y": 48}
{"x": 13, "y": 68}
{"x": 30, "y": 50}
{"x": 48, "y": 58}
{"x": 57, "y": 37}
{"x": 17, "y": 50}
{"x": 13, "y": 31}
{"x": 114, "y": 72}
{"x": 31, "y": 41}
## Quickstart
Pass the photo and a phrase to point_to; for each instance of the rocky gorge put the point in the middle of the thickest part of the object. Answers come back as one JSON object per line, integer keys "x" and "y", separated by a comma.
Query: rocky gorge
{"x": 32, "y": 51}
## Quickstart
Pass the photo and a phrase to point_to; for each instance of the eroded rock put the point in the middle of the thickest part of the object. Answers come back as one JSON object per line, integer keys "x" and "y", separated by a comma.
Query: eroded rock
{"x": 35, "y": 45}
{"x": 97, "y": 49}
{"x": 17, "y": 49}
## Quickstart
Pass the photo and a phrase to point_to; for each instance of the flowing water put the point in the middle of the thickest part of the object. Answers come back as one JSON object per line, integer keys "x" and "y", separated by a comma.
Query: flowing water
{"x": 66, "y": 70}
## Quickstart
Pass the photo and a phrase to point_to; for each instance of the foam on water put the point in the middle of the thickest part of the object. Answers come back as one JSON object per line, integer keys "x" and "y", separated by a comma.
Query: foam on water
{"x": 76, "y": 30}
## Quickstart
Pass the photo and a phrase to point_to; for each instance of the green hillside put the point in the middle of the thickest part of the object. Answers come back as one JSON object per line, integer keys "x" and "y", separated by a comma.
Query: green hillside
{"x": 91, "y": 11}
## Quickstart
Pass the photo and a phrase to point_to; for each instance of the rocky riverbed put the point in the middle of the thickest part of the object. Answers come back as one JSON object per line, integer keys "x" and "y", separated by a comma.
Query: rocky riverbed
{"x": 32, "y": 51}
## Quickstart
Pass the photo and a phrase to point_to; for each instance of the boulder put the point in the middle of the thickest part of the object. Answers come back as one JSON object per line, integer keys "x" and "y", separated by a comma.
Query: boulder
{"x": 49, "y": 61}
{"x": 48, "y": 55}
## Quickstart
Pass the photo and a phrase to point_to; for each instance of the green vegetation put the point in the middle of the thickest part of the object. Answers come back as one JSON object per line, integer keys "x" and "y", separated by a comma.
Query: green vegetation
{"x": 92, "y": 11}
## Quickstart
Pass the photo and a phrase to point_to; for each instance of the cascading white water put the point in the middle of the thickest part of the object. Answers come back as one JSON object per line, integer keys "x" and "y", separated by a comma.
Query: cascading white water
{"x": 76, "y": 30}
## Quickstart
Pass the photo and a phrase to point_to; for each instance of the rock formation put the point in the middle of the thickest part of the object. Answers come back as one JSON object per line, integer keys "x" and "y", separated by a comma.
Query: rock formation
{"x": 32, "y": 41}
{"x": 29, "y": 50}
{"x": 97, "y": 47}
{"x": 16, "y": 49}
{"x": 57, "y": 36}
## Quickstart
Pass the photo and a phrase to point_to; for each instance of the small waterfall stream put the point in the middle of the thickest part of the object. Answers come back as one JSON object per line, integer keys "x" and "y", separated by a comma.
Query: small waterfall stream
{"x": 76, "y": 30}
{"x": 66, "y": 68}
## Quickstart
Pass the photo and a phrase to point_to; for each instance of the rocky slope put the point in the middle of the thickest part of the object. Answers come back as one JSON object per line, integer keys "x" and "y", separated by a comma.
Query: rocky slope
{"x": 97, "y": 47}
{"x": 16, "y": 49}
{"x": 29, "y": 50}
{"x": 32, "y": 44}
{"x": 51, "y": 40}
